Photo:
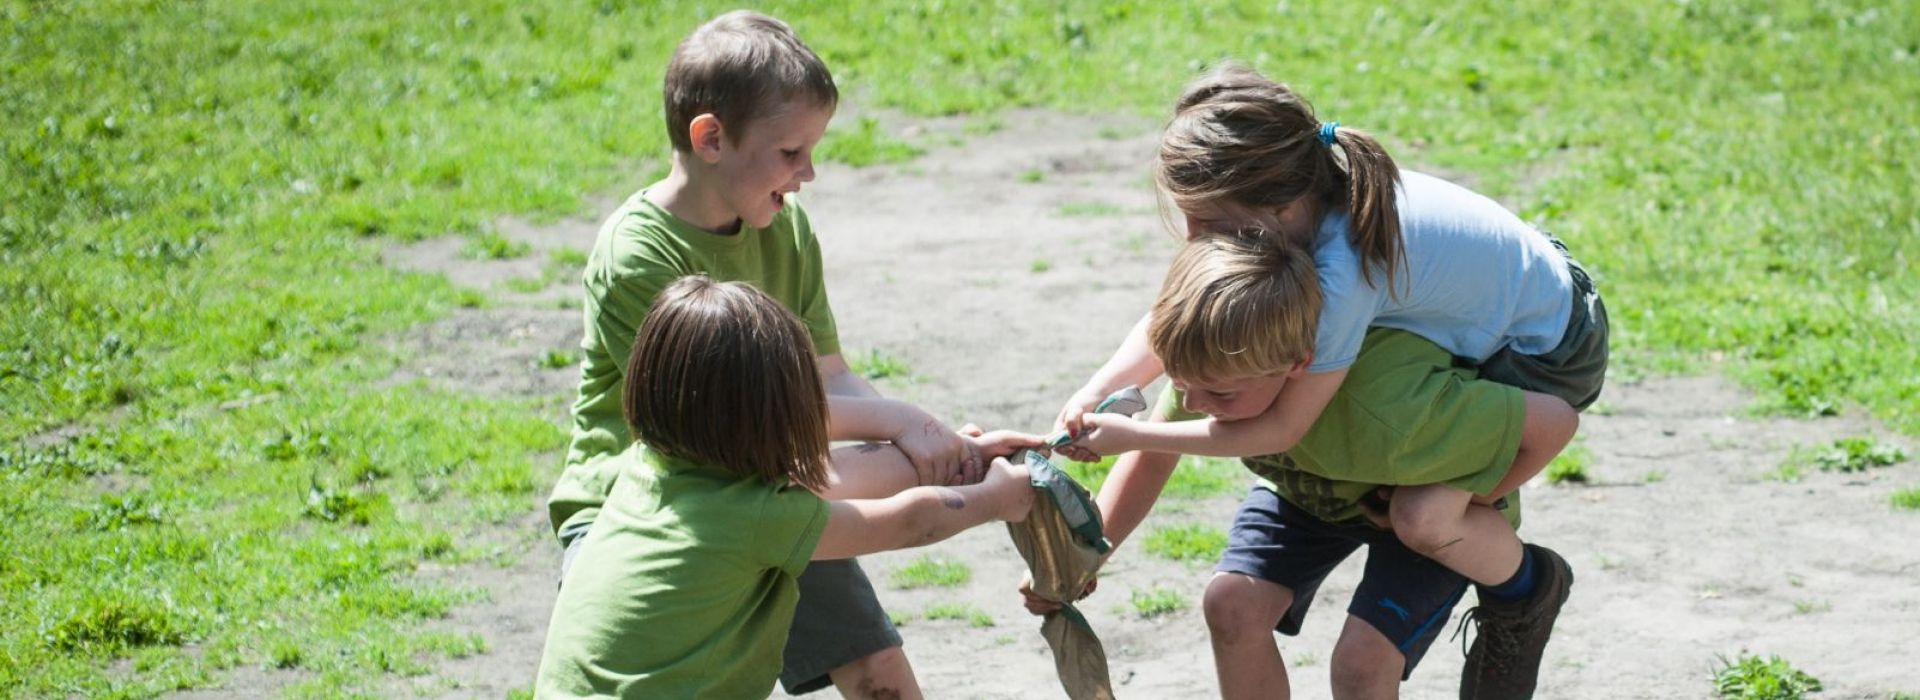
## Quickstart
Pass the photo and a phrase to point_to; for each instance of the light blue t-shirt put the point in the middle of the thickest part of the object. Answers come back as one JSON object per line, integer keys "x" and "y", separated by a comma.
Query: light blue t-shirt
{"x": 1477, "y": 279}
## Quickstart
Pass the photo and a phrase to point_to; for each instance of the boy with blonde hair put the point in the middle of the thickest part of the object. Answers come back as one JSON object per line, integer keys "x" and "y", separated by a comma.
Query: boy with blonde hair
{"x": 1234, "y": 322}
{"x": 746, "y": 102}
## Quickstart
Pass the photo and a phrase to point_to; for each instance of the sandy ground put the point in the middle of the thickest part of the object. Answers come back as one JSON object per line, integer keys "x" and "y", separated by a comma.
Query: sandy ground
{"x": 1003, "y": 267}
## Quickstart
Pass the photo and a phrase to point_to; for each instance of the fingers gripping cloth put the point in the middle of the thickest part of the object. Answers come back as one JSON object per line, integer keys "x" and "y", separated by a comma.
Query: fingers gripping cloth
{"x": 1062, "y": 541}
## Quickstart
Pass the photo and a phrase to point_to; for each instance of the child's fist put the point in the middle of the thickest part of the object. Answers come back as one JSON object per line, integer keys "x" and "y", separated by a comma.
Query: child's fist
{"x": 1011, "y": 487}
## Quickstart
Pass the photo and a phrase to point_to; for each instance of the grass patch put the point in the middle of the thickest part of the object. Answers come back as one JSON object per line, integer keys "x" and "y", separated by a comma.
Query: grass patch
{"x": 1196, "y": 477}
{"x": 1032, "y": 175}
{"x": 1570, "y": 466}
{"x": 928, "y": 572}
{"x": 493, "y": 246}
{"x": 966, "y": 612}
{"x": 1808, "y": 607}
{"x": 879, "y": 364}
{"x": 557, "y": 359}
{"x": 1754, "y": 678}
{"x": 1040, "y": 265}
{"x": 865, "y": 144}
{"x": 1905, "y": 499}
{"x": 1156, "y": 602}
{"x": 1849, "y": 455}
{"x": 1187, "y": 543}
{"x": 1787, "y": 473}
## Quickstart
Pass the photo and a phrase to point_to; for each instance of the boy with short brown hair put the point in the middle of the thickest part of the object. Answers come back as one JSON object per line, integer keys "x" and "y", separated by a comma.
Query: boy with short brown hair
{"x": 746, "y": 101}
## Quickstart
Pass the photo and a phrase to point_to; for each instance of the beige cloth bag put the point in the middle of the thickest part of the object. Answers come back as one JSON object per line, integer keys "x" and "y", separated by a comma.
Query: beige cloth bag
{"x": 1062, "y": 541}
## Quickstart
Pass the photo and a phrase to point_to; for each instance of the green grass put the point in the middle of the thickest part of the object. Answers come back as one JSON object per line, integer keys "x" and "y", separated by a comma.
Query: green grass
{"x": 557, "y": 359}
{"x": 930, "y": 572}
{"x": 878, "y": 364}
{"x": 493, "y": 246}
{"x": 1848, "y": 455}
{"x": 198, "y": 194}
{"x": 1187, "y": 543}
{"x": 966, "y": 612}
{"x": 1040, "y": 265}
{"x": 1570, "y": 467}
{"x": 1808, "y": 607}
{"x": 1905, "y": 499}
{"x": 865, "y": 145}
{"x": 1158, "y": 601}
{"x": 1754, "y": 678}
{"x": 1196, "y": 477}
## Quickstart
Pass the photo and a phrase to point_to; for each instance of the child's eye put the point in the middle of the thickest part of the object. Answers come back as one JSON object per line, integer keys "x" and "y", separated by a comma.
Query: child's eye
{"x": 790, "y": 153}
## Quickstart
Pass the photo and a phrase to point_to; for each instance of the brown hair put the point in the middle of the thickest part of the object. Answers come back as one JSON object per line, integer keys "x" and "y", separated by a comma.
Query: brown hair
{"x": 1242, "y": 138}
{"x": 739, "y": 67}
{"x": 1236, "y": 306}
{"x": 721, "y": 374}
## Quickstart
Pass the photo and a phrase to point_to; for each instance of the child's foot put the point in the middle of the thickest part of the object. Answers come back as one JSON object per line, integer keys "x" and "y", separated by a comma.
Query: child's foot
{"x": 1504, "y": 662}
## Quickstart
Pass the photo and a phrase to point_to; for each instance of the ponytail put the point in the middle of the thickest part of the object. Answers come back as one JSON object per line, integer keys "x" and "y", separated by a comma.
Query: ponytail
{"x": 1373, "y": 225}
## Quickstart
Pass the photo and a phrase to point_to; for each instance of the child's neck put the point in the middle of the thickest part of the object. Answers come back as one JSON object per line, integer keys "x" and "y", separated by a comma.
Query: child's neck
{"x": 692, "y": 198}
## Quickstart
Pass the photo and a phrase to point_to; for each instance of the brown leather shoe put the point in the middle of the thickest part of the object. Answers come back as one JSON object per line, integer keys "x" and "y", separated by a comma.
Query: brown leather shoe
{"x": 1504, "y": 662}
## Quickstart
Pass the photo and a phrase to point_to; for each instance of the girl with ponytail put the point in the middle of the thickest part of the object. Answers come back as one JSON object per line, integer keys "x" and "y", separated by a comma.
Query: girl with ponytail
{"x": 1452, "y": 345}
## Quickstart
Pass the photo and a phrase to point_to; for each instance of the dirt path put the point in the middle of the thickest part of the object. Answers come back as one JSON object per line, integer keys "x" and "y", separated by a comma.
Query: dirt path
{"x": 1003, "y": 267}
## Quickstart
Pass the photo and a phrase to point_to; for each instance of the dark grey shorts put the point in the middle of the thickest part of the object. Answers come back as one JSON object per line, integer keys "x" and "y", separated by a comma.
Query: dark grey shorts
{"x": 838, "y": 621}
{"x": 1575, "y": 369}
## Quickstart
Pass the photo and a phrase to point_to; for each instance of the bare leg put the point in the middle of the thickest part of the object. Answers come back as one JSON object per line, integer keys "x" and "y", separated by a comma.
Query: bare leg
{"x": 883, "y": 675}
{"x": 1443, "y": 524}
{"x": 1241, "y": 613}
{"x": 1366, "y": 665}
{"x": 1550, "y": 425}
{"x": 868, "y": 470}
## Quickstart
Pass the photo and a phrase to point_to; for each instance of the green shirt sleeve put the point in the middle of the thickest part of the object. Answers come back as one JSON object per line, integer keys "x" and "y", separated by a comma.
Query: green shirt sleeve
{"x": 793, "y": 520}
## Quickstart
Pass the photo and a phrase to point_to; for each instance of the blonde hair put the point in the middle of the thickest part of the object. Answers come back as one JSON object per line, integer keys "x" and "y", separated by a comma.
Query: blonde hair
{"x": 1236, "y": 306}
{"x": 1242, "y": 138}
{"x": 723, "y": 375}
{"x": 740, "y": 67}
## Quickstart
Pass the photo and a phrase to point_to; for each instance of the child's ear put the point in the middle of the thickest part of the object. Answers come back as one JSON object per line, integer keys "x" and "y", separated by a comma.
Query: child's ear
{"x": 706, "y": 133}
{"x": 1299, "y": 369}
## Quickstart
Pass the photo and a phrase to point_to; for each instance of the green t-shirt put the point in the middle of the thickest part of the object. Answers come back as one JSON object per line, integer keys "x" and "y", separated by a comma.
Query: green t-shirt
{"x": 1405, "y": 415}
{"x": 685, "y": 586}
{"x": 640, "y": 251}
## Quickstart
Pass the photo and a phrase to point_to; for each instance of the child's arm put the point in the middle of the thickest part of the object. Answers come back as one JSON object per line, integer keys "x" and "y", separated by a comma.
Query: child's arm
{"x": 1132, "y": 364}
{"x": 924, "y": 515}
{"x": 856, "y": 411}
{"x": 1275, "y": 431}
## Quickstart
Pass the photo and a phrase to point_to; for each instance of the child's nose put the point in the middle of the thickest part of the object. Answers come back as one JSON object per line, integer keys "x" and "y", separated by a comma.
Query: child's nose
{"x": 806, "y": 170}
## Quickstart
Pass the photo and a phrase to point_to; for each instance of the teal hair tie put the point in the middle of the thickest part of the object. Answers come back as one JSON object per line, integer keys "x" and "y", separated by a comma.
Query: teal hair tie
{"x": 1326, "y": 132}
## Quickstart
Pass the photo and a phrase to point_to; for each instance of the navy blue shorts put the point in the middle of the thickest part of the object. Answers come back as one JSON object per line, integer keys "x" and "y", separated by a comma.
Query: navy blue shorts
{"x": 1407, "y": 597}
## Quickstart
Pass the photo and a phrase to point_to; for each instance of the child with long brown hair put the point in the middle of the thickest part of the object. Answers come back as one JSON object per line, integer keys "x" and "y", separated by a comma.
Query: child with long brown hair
{"x": 687, "y": 583}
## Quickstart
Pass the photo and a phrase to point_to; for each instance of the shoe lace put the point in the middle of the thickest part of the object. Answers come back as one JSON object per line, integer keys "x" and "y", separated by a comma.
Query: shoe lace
{"x": 1500, "y": 634}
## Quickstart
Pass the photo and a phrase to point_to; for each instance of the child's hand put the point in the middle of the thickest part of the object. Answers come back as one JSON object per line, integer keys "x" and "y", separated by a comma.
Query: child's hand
{"x": 1376, "y": 506}
{"x": 1012, "y": 490}
{"x": 940, "y": 456}
{"x": 1072, "y": 416}
{"x": 1002, "y": 443}
{"x": 1105, "y": 434}
{"x": 1043, "y": 606}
